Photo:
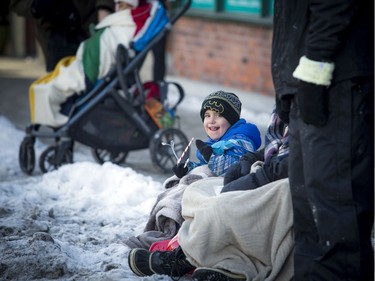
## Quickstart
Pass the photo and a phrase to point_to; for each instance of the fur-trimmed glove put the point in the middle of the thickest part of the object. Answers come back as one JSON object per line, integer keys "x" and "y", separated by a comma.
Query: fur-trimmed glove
{"x": 204, "y": 149}
{"x": 242, "y": 167}
{"x": 179, "y": 170}
{"x": 312, "y": 98}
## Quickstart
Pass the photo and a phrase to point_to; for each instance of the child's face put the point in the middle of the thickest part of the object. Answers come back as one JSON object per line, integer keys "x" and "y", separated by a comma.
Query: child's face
{"x": 214, "y": 124}
{"x": 122, "y": 6}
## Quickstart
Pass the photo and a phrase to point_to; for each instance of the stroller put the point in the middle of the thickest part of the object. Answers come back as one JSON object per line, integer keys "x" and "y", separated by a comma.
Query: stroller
{"x": 119, "y": 114}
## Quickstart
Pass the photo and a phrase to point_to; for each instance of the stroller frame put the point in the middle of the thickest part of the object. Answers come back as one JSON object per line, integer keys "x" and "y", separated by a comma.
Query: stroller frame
{"x": 162, "y": 156}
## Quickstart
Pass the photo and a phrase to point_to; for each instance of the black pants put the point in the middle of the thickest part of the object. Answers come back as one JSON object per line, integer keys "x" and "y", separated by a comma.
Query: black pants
{"x": 159, "y": 66}
{"x": 332, "y": 184}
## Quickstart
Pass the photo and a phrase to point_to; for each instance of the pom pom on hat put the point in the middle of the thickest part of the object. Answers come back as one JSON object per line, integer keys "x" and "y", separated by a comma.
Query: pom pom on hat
{"x": 134, "y": 3}
{"x": 226, "y": 104}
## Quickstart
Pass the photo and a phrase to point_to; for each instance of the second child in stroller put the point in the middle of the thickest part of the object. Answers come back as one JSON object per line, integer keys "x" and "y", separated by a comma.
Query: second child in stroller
{"x": 93, "y": 60}
{"x": 97, "y": 97}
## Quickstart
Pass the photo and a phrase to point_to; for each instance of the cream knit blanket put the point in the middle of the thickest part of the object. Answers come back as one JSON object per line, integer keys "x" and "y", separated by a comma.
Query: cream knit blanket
{"x": 245, "y": 232}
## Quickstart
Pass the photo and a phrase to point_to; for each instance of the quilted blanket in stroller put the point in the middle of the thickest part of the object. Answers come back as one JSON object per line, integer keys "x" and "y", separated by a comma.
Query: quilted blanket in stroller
{"x": 94, "y": 59}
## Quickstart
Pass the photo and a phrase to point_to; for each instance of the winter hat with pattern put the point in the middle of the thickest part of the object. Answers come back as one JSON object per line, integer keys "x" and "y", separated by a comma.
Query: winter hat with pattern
{"x": 226, "y": 104}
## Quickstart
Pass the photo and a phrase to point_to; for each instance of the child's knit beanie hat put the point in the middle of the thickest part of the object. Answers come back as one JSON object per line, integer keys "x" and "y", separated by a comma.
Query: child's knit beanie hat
{"x": 226, "y": 104}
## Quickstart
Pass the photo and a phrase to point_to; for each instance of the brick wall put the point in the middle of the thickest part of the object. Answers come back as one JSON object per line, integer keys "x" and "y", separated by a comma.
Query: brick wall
{"x": 235, "y": 55}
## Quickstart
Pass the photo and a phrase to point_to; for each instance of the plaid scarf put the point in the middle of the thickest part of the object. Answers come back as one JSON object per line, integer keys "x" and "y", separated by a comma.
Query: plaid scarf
{"x": 276, "y": 138}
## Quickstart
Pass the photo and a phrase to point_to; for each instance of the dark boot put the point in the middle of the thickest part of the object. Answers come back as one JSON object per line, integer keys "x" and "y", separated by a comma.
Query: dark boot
{"x": 172, "y": 263}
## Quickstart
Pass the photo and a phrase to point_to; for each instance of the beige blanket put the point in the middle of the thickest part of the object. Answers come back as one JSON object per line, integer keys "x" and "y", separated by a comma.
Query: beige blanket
{"x": 245, "y": 232}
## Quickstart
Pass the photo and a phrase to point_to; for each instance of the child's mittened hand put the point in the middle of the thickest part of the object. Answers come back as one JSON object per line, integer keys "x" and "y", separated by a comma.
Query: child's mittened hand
{"x": 204, "y": 149}
{"x": 179, "y": 170}
{"x": 234, "y": 172}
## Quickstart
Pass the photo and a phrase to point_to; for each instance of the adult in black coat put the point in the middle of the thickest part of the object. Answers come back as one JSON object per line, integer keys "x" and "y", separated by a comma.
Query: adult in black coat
{"x": 61, "y": 25}
{"x": 322, "y": 67}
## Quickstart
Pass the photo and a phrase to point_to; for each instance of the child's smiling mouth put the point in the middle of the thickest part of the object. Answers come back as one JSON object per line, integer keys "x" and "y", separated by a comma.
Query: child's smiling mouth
{"x": 214, "y": 128}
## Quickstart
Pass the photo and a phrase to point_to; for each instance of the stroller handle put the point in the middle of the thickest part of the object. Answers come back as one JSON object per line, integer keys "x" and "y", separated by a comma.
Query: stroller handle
{"x": 138, "y": 59}
{"x": 181, "y": 93}
{"x": 182, "y": 11}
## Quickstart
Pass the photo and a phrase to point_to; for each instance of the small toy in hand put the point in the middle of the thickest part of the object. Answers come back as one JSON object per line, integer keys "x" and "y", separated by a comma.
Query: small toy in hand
{"x": 180, "y": 169}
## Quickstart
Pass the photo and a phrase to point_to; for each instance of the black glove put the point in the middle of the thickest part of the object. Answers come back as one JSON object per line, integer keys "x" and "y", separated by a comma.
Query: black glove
{"x": 248, "y": 182}
{"x": 242, "y": 167}
{"x": 313, "y": 103}
{"x": 179, "y": 170}
{"x": 283, "y": 107}
{"x": 204, "y": 149}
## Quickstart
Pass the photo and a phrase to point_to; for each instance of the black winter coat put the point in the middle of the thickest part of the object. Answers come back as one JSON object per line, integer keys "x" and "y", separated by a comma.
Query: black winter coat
{"x": 322, "y": 30}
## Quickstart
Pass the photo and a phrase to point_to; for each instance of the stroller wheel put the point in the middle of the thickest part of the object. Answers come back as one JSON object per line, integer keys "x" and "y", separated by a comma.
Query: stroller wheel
{"x": 162, "y": 156}
{"x": 103, "y": 155}
{"x": 26, "y": 156}
{"x": 49, "y": 161}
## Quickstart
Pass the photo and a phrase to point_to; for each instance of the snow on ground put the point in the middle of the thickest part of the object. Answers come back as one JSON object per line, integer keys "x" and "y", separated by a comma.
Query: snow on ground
{"x": 70, "y": 224}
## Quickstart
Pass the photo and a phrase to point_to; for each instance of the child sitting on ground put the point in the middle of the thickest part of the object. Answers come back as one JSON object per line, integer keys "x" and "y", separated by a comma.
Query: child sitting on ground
{"x": 238, "y": 243}
{"x": 229, "y": 137}
{"x": 93, "y": 60}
